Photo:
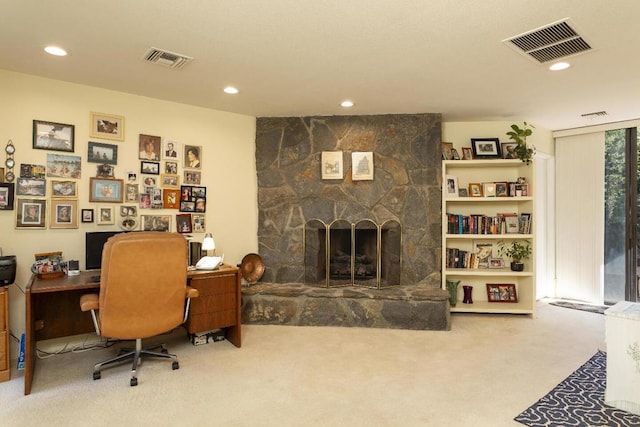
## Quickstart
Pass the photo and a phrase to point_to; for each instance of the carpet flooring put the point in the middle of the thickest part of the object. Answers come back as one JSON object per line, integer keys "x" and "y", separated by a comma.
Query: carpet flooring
{"x": 580, "y": 306}
{"x": 579, "y": 401}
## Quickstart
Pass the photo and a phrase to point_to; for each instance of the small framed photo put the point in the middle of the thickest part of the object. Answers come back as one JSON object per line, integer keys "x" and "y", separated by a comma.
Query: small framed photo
{"x": 149, "y": 181}
{"x": 499, "y": 292}
{"x": 508, "y": 150}
{"x": 484, "y": 252}
{"x": 512, "y": 223}
{"x": 446, "y": 150}
{"x": 152, "y": 168}
{"x": 64, "y": 213}
{"x": 169, "y": 181}
{"x": 502, "y": 189}
{"x": 454, "y": 154}
{"x": 87, "y": 215}
{"x": 106, "y": 216}
{"x": 32, "y": 171}
{"x": 31, "y": 187}
{"x": 362, "y": 166}
{"x": 171, "y": 168}
{"x": 53, "y": 136}
{"x": 198, "y": 224}
{"x": 170, "y": 150}
{"x": 149, "y": 146}
{"x": 489, "y": 189}
{"x": 107, "y": 126}
{"x": 451, "y": 186}
{"x": 105, "y": 171}
{"x": 486, "y": 148}
{"x": 475, "y": 189}
{"x": 64, "y": 188}
{"x": 496, "y": 263}
{"x": 192, "y": 177}
{"x": 102, "y": 153}
{"x": 128, "y": 210}
{"x": 183, "y": 223}
{"x": 170, "y": 198}
{"x": 463, "y": 192}
{"x": 156, "y": 222}
{"x": 131, "y": 193}
{"x": 132, "y": 177}
{"x": 6, "y": 196}
{"x": 31, "y": 213}
{"x": 192, "y": 156}
{"x": 467, "y": 153}
{"x": 106, "y": 190}
{"x": 332, "y": 165}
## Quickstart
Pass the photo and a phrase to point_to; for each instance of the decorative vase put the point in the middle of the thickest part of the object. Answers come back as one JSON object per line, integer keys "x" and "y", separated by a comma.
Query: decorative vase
{"x": 452, "y": 287}
{"x": 517, "y": 266}
{"x": 467, "y": 291}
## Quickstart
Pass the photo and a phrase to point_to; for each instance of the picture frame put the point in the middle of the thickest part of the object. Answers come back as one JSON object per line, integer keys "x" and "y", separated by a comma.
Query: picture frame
{"x": 53, "y": 136}
{"x": 171, "y": 198}
{"x": 98, "y": 152}
{"x": 64, "y": 166}
{"x": 451, "y": 186}
{"x": 475, "y": 189}
{"x": 454, "y": 154}
{"x": 502, "y": 189}
{"x": 31, "y": 213}
{"x": 149, "y": 146}
{"x": 484, "y": 252}
{"x": 512, "y": 223}
{"x": 192, "y": 157}
{"x": 171, "y": 168}
{"x": 191, "y": 177}
{"x": 128, "y": 210}
{"x": 489, "y": 189}
{"x": 106, "y": 190}
{"x": 156, "y": 222}
{"x": 446, "y": 150}
{"x": 128, "y": 223}
{"x": 106, "y": 126}
{"x": 502, "y": 292}
{"x": 183, "y": 223}
{"x": 63, "y": 189}
{"x": 87, "y": 215}
{"x": 332, "y": 165}
{"x": 105, "y": 171}
{"x": 106, "y": 216}
{"x": 362, "y": 166}
{"x": 169, "y": 180}
{"x": 33, "y": 171}
{"x": 132, "y": 194}
{"x": 198, "y": 223}
{"x": 496, "y": 263}
{"x": 507, "y": 149}
{"x": 7, "y": 191}
{"x": 486, "y": 148}
{"x": 151, "y": 168}
{"x": 463, "y": 192}
{"x": 467, "y": 153}
{"x": 63, "y": 213}
{"x": 31, "y": 187}
{"x": 170, "y": 150}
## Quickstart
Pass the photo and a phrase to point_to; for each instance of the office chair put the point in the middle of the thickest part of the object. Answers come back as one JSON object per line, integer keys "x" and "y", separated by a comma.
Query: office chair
{"x": 143, "y": 288}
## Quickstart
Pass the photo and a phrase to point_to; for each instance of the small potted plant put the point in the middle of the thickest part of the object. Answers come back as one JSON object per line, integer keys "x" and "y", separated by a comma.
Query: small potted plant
{"x": 517, "y": 251}
{"x": 519, "y": 136}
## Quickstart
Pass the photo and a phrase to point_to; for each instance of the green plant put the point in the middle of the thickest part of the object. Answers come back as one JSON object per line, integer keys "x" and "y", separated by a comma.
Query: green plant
{"x": 519, "y": 136}
{"x": 515, "y": 250}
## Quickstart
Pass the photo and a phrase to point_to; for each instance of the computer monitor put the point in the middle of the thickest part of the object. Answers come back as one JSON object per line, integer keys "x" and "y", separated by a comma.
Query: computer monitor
{"x": 94, "y": 242}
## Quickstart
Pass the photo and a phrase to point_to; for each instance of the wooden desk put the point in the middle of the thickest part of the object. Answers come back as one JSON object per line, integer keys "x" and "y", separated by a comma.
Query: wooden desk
{"x": 53, "y": 308}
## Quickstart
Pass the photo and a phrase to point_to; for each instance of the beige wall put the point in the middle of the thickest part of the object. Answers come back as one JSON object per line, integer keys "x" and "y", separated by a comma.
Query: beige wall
{"x": 460, "y": 133}
{"x": 228, "y": 159}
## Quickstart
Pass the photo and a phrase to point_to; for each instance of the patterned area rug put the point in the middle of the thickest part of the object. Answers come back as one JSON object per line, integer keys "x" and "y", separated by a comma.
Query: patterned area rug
{"x": 578, "y": 306}
{"x": 579, "y": 401}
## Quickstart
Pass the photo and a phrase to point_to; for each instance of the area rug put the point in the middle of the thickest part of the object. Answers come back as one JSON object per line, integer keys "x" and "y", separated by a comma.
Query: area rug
{"x": 579, "y": 306}
{"x": 579, "y": 401}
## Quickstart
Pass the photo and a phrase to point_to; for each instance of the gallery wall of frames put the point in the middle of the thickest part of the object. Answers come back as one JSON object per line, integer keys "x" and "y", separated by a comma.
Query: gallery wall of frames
{"x": 163, "y": 194}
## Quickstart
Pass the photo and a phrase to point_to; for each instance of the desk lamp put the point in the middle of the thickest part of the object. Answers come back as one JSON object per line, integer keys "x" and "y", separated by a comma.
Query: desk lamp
{"x": 208, "y": 262}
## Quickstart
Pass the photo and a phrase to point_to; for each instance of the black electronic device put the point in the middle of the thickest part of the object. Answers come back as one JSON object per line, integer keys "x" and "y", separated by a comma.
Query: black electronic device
{"x": 94, "y": 243}
{"x": 7, "y": 270}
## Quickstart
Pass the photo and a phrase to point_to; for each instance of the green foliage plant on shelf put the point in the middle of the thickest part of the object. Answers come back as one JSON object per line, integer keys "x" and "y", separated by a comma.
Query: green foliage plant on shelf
{"x": 515, "y": 250}
{"x": 519, "y": 136}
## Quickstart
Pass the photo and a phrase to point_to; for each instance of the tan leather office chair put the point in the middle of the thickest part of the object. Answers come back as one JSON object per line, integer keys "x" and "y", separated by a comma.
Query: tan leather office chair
{"x": 143, "y": 293}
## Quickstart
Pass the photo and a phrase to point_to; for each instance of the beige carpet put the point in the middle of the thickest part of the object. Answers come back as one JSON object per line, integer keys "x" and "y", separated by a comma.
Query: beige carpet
{"x": 483, "y": 372}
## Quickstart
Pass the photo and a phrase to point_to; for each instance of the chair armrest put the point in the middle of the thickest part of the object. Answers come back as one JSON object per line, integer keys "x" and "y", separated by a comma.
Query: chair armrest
{"x": 191, "y": 292}
{"x": 89, "y": 302}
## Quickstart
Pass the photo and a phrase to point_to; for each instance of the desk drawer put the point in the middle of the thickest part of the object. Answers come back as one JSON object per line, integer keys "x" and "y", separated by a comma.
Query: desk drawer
{"x": 4, "y": 351}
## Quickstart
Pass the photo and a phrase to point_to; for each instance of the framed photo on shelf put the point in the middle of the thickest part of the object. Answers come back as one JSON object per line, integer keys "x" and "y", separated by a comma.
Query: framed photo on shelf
{"x": 332, "y": 165}
{"x": 496, "y": 263}
{"x": 463, "y": 192}
{"x": 486, "y": 148}
{"x": 446, "y": 150}
{"x": 87, "y": 215}
{"x": 467, "y": 153}
{"x": 508, "y": 150}
{"x": 451, "y": 186}
{"x": 106, "y": 190}
{"x": 454, "y": 154}
{"x": 31, "y": 213}
{"x": 484, "y": 252}
{"x": 53, "y": 136}
{"x": 502, "y": 189}
{"x": 64, "y": 213}
{"x": 512, "y": 223}
{"x": 475, "y": 189}
{"x": 6, "y": 196}
{"x": 98, "y": 152}
{"x": 106, "y": 126}
{"x": 489, "y": 189}
{"x": 106, "y": 216}
{"x": 499, "y": 292}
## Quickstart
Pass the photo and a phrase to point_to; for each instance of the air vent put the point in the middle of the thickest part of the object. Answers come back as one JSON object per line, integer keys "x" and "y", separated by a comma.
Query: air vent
{"x": 166, "y": 58}
{"x": 595, "y": 114}
{"x": 550, "y": 43}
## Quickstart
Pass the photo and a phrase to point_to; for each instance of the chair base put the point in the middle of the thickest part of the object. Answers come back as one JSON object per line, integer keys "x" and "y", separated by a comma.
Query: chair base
{"x": 136, "y": 354}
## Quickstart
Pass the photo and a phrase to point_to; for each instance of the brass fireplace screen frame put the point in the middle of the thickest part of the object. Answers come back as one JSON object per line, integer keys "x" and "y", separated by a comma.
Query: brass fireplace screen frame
{"x": 320, "y": 240}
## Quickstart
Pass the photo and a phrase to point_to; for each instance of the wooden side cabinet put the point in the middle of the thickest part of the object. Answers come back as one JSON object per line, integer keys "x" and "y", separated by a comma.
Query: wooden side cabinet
{"x": 219, "y": 304}
{"x": 5, "y": 354}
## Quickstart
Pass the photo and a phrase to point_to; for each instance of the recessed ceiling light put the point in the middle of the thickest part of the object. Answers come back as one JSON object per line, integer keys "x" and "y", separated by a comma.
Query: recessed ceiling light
{"x": 231, "y": 90}
{"x": 347, "y": 104}
{"x": 559, "y": 66}
{"x": 55, "y": 50}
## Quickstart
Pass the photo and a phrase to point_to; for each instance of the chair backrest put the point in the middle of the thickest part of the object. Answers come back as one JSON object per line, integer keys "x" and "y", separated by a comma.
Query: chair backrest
{"x": 143, "y": 282}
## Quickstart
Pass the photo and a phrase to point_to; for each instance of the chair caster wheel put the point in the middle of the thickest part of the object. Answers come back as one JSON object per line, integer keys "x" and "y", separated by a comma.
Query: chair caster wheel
{"x": 133, "y": 382}
{"x": 96, "y": 375}
{"x": 175, "y": 365}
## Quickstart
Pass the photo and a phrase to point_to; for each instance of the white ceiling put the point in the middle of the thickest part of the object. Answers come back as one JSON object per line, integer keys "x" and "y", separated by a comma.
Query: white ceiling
{"x": 303, "y": 57}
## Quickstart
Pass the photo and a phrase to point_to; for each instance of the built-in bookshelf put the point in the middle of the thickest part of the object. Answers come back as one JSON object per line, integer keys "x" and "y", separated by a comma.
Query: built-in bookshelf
{"x": 495, "y": 207}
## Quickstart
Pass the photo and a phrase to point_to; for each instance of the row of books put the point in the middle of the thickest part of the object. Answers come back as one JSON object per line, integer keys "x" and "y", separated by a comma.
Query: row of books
{"x": 458, "y": 258}
{"x": 501, "y": 223}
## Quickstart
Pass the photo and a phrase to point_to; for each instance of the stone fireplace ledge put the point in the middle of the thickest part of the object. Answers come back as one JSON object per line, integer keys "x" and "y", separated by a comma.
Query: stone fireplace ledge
{"x": 409, "y": 307}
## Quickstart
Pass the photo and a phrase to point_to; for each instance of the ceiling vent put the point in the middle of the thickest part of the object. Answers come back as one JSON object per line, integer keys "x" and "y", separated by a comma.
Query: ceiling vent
{"x": 596, "y": 114}
{"x": 166, "y": 58}
{"x": 550, "y": 43}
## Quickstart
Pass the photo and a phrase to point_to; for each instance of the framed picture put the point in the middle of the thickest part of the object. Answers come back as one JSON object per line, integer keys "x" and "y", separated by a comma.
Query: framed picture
{"x": 31, "y": 213}
{"x": 49, "y": 263}
{"x": 497, "y": 292}
{"x": 475, "y": 189}
{"x": 128, "y": 210}
{"x": 496, "y": 263}
{"x": 132, "y": 193}
{"x": 64, "y": 166}
{"x": 149, "y": 181}
{"x": 105, "y": 171}
{"x": 467, "y": 153}
{"x": 156, "y": 222}
{"x": 171, "y": 168}
{"x": 53, "y": 136}
{"x": 512, "y": 223}
{"x": 149, "y": 146}
{"x": 484, "y": 252}
{"x": 508, "y": 150}
{"x": 106, "y": 126}
{"x": 31, "y": 187}
{"x": 169, "y": 181}
{"x": 198, "y": 224}
{"x": 152, "y": 168}
{"x": 128, "y": 223}
{"x": 106, "y": 216}
{"x": 332, "y": 165}
{"x": 132, "y": 177}
{"x": 106, "y": 190}
{"x": 486, "y": 148}
{"x": 171, "y": 198}
{"x": 192, "y": 157}
{"x": 145, "y": 201}
{"x": 64, "y": 213}
{"x": 1, "y": 174}
{"x": 191, "y": 177}
{"x": 446, "y": 150}
{"x": 102, "y": 153}
{"x": 502, "y": 189}
{"x": 64, "y": 188}
{"x": 489, "y": 189}
{"x": 183, "y": 223}
{"x": 170, "y": 150}
{"x": 463, "y": 192}
{"x": 33, "y": 171}
{"x": 6, "y": 196}
{"x": 87, "y": 215}
{"x": 451, "y": 186}
{"x": 454, "y": 154}
{"x": 362, "y": 166}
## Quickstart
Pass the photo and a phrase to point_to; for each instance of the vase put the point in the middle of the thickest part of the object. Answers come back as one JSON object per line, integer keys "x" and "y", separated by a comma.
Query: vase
{"x": 452, "y": 287}
{"x": 517, "y": 266}
{"x": 467, "y": 290}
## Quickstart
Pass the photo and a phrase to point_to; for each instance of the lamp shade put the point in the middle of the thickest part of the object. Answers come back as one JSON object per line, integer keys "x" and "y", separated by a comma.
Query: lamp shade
{"x": 208, "y": 244}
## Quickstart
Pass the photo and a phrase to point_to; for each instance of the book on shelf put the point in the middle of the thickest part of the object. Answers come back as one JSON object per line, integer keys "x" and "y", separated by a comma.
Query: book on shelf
{"x": 500, "y": 223}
